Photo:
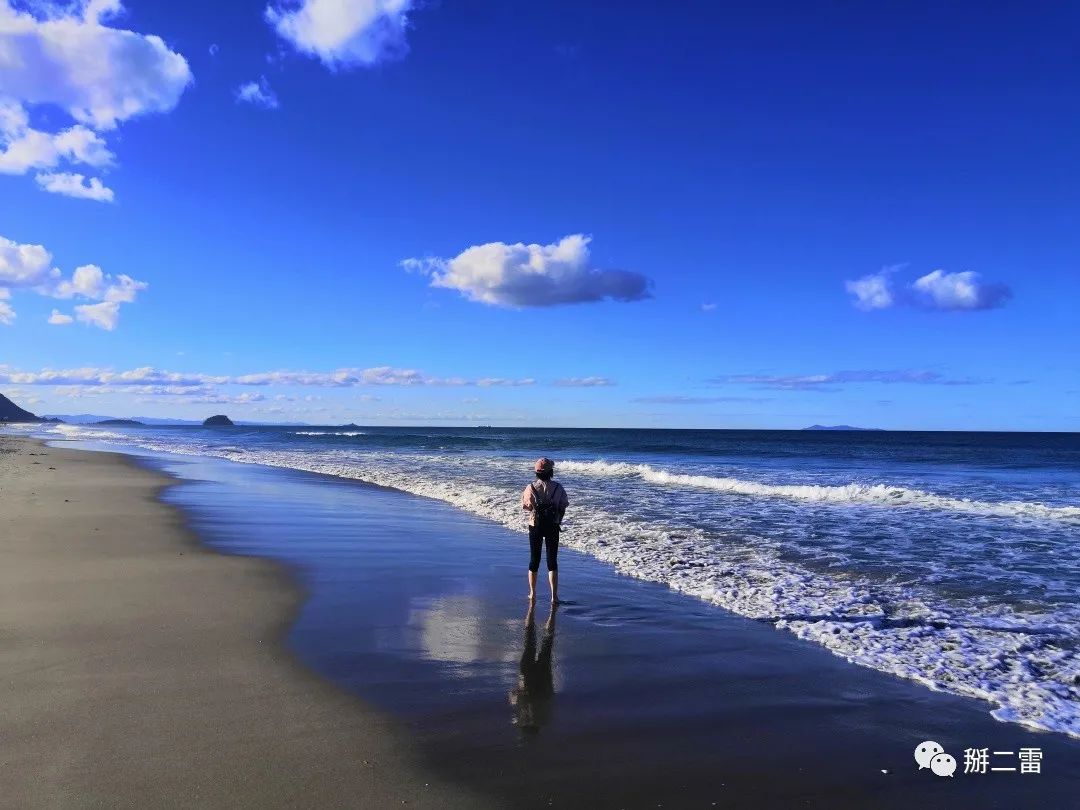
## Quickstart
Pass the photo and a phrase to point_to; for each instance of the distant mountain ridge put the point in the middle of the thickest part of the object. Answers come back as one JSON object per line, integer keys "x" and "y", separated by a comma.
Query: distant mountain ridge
{"x": 92, "y": 418}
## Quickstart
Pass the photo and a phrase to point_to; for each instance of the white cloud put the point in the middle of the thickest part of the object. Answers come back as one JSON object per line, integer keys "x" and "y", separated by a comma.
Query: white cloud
{"x": 343, "y": 33}
{"x": 66, "y": 56}
{"x": 872, "y": 292}
{"x": 70, "y": 59}
{"x": 58, "y": 318}
{"x": 258, "y": 93}
{"x": 708, "y": 307}
{"x": 341, "y": 378}
{"x": 75, "y": 185}
{"x": 521, "y": 275}
{"x": 221, "y": 399}
{"x": 27, "y": 268}
{"x": 937, "y": 290}
{"x": 90, "y": 376}
{"x": 22, "y": 265}
{"x": 503, "y": 382}
{"x": 104, "y": 315}
{"x": 826, "y": 382}
{"x": 678, "y": 399}
{"x": 7, "y": 314}
{"x": 959, "y": 291}
{"x": 25, "y": 148}
{"x": 584, "y": 382}
{"x": 89, "y": 281}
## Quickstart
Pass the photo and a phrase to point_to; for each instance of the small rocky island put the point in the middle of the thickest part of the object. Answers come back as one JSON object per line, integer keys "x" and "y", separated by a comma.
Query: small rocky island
{"x": 220, "y": 420}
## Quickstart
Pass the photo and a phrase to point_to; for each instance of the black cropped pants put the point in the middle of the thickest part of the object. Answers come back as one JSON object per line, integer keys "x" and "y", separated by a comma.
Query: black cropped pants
{"x": 544, "y": 536}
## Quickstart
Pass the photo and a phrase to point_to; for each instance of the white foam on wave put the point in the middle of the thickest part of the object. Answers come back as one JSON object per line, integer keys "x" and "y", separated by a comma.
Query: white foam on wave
{"x": 76, "y": 432}
{"x": 854, "y": 493}
{"x": 1009, "y": 659}
{"x": 328, "y": 433}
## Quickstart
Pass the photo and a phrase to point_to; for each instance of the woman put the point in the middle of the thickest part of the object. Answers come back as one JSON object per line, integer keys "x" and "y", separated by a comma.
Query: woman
{"x": 545, "y": 500}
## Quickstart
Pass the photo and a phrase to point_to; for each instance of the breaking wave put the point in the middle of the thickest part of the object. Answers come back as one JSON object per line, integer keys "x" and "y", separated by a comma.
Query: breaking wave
{"x": 868, "y": 494}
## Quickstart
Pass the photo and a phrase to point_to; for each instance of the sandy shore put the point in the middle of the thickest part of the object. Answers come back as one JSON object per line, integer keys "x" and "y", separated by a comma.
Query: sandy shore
{"x": 142, "y": 670}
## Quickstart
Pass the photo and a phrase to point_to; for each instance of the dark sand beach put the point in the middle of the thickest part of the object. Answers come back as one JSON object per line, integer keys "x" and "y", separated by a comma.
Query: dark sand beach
{"x": 389, "y": 660}
{"x": 142, "y": 670}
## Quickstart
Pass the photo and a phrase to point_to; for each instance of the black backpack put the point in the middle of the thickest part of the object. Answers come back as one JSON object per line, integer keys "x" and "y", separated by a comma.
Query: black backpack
{"x": 547, "y": 512}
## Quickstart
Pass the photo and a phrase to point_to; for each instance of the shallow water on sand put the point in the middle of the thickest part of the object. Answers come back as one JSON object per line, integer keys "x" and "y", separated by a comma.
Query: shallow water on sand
{"x": 634, "y": 696}
{"x": 948, "y": 559}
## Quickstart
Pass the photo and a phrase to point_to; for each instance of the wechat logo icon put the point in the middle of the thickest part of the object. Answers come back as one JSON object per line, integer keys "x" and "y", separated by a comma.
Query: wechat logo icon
{"x": 931, "y": 755}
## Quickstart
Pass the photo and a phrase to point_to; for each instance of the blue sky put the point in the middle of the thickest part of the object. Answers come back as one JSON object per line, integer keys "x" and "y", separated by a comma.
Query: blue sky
{"x": 789, "y": 214}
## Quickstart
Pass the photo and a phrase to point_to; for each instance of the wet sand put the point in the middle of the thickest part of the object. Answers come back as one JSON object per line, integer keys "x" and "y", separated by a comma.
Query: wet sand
{"x": 142, "y": 670}
{"x": 647, "y": 697}
{"x": 146, "y": 677}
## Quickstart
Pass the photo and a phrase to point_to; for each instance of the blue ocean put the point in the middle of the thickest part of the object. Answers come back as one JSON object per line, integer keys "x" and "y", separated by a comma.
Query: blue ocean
{"x": 950, "y": 559}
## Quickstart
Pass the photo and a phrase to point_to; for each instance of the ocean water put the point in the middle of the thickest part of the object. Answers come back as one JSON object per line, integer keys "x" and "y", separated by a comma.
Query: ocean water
{"x": 951, "y": 559}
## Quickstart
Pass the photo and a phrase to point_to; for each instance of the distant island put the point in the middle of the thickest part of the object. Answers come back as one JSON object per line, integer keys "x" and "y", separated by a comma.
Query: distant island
{"x": 350, "y": 426}
{"x": 220, "y": 420}
{"x": 119, "y": 422}
{"x": 841, "y": 427}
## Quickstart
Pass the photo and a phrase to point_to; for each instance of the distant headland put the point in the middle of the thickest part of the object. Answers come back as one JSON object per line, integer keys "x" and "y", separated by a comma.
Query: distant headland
{"x": 10, "y": 412}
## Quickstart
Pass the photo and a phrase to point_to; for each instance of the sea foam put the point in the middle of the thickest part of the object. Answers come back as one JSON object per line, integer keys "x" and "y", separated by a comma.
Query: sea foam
{"x": 1023, "y": 663}
{"x": 853, "y": 493}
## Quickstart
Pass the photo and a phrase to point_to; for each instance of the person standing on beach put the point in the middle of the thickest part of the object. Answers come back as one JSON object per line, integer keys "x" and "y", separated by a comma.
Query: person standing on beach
{"x": 545, "y": 500}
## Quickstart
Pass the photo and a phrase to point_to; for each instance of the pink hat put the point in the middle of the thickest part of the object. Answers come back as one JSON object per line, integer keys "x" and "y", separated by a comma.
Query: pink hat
{"x": 545, "y": 465}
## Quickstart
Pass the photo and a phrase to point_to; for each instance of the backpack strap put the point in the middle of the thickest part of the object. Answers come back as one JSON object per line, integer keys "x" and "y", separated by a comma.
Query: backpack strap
{"x": 537, "y": 495}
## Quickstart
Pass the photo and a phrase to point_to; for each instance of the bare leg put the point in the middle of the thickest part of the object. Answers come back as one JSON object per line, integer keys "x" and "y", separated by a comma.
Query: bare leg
{"x": 532, "y": 586}
{"x": 553, "y": 581}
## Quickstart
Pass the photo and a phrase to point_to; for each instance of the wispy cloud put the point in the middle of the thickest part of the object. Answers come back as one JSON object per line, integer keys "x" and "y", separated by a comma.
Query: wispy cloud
{"x": 503, "y": 382}
{"x": 822, "y": 382}
{"x": 259, "y": 94}
{"x": 343, "y": 33}
{"x": 177, "y": 381}
{"x": 939, "y": 290}
{"x": 873, "y": 291}
{"x": 584, "y": 382}
{"x": 677, "y": 399}
{"x": 520, "y": 275}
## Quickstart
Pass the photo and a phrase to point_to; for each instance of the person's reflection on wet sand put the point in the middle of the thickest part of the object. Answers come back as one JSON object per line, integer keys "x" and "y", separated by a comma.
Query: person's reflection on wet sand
{"x": 531, "y": 699}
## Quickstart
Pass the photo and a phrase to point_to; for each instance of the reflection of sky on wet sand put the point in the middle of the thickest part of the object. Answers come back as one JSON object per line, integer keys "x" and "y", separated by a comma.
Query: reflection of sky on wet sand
{"x": 463, "y": 631}
{"x": 455, "y": 630}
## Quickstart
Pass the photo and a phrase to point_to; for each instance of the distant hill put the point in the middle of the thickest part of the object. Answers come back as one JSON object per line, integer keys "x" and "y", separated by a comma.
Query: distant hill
{"x": 841, "y": 427}
{"x": 10, "y": 412}
{"x": 94, "y": 418}
{"x": 221, "y": 420}
{"x": 119, "y": 422}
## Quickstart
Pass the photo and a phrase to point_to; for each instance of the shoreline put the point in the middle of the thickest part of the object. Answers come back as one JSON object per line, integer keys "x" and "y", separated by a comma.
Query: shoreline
{"x": 147, "y": 669}
{"x": 659, "y": 698}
